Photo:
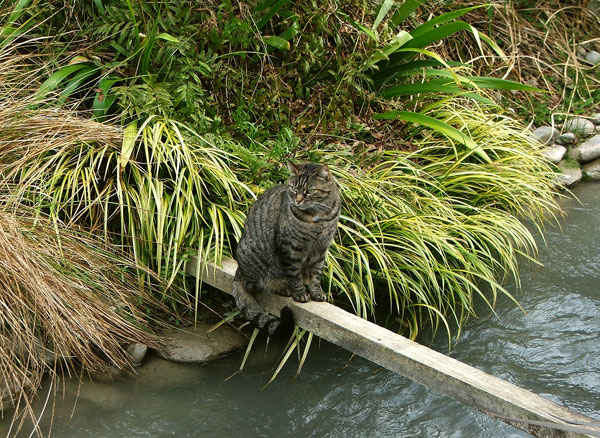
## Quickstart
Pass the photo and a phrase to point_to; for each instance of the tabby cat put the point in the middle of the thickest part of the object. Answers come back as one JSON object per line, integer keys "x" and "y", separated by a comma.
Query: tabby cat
{"x": 286, "y": 236}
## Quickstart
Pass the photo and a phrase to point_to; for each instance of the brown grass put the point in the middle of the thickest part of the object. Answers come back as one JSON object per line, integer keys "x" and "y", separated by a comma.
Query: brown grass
{"x": 539, "y": 38}
{"x": 66, "y": 303}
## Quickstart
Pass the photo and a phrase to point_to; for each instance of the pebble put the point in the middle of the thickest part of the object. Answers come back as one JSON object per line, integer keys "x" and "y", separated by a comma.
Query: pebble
{"x": 197, "y": 345}
{"x": 554, "y": 154}
{"x": 546, "y": 134}
{"x": 587, "y": 151}
{"x": 566, "y": 138}
{"x": 595, "y": 119}
{"x": 137, "y": 351}
{"x": 579, "y": 125}
{"x": 581, "y": 51}
{"x": 591, "y": 170}
{"x": 592, "y": 57}
{"x": 570, "y": 175}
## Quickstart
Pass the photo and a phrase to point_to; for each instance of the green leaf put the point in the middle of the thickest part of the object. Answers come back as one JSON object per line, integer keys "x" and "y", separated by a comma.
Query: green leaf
{"x": 360, "y": 27}
{"x": 274, "y": 9}
{"x": 490, "y": 42}
{"x": 103, "y": 100}
{"x": 99, "y": 5}
{"x": 407, "y": 8}
{"x": 439, "y": 33}
{"x": 129, "y": 138}
{"x": 383, "y": 11}
{"x": 395, "y": 43}
{"x": 76, "y": 81}
{"x": 291, "y": 31}
{"x": 442, "y": 19}
{"x": 437, "y": 125}
{"x": 167, "y": 37}
{"x": 57, "y": 77}
{"x": 277, "y": 42}
{"x": 18, "y": 10}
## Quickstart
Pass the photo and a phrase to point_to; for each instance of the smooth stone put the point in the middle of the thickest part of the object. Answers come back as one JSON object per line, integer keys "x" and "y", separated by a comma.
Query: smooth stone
{"x": 566, "y": 138}
{"x": 595, "y": 118}
{"x": 554, "y": 154}
{"x": 570, "y": 174}
{"x": 546, "y": 134}
{"x": 581, "y": 51}
{"x": 197, "y": 345}
{"x": 579, "y": 125}
{"x": 592, "y": 57}
{"x": 137, "y": 351}
{"x": 591, "y": 170}
{"x": 587, "y": 151}
{"x": 594, "y": 6}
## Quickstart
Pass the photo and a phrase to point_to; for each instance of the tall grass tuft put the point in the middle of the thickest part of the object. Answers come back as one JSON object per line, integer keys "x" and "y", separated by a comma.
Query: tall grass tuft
{"x": 68, "y": 303}
{"x": 159, "y": 189}
{"x": 425, "y": 233}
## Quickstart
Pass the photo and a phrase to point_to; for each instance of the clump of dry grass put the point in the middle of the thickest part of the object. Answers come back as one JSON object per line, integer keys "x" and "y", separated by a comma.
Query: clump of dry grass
{"x": 65, "y": 301}
{"x": 540, "y": 40}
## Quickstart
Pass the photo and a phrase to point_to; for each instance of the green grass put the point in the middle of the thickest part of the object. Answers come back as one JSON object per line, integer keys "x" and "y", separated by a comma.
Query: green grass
{"x": 156, "y": 124}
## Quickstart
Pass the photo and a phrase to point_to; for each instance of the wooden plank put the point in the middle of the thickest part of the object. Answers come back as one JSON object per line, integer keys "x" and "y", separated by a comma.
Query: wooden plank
{"x": 437, "y": 371}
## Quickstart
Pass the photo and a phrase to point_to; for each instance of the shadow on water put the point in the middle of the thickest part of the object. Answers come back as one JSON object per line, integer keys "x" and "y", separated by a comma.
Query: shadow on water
{"x": 551, "y": 350}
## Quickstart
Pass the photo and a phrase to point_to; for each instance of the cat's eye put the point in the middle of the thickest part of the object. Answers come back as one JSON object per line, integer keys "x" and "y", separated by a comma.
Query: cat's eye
{"x": 311, "y": 191}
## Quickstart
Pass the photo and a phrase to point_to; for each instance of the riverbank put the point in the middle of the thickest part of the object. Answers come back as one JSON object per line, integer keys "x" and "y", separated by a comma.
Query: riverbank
{"x": 574, "y": 147}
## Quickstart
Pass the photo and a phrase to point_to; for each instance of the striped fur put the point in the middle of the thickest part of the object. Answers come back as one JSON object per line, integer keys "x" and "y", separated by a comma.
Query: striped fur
{"x": 286, "y": 236}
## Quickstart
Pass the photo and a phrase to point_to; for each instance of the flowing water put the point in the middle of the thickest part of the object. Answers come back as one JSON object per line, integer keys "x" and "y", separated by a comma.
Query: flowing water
{"x": 551, "y": 350}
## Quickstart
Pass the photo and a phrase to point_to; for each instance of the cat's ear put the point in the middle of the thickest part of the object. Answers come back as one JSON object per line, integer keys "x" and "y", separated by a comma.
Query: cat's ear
{"x": 324, "y": 172}
{"x": 293, "y": 168}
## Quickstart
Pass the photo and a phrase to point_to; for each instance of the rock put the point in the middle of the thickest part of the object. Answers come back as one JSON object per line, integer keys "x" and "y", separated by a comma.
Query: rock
{"x": 107, "y": 375}
{"x": 591, "y": 170}
{"x": 137, "y": 351}
{"x": 579, "y": 125}
{"x": 587, "y": 151}
{"x": 592, "y": 57}
{"x": 546, "y": 134}
{"x": 196, "y": 345}
{"x": 595, "y": 119}
{"x": 12, "y": 389}
{"x": 566, "y": 138}
{"x": 570, "y": 174}
{"x": 581, "y": 51}
{"x": 554, "y": 154}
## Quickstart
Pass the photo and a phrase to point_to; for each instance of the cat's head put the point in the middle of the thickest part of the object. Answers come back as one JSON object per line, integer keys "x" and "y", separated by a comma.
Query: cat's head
{"x": 311, "y": 186}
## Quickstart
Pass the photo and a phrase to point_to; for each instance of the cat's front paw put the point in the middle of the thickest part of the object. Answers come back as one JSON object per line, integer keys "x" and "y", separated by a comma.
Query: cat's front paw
{"x": 318, "y": 295}
{"x": 302, "y": 297}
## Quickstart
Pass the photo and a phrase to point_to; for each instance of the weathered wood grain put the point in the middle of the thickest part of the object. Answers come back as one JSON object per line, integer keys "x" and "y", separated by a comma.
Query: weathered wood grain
{"x": 437, "y": 371}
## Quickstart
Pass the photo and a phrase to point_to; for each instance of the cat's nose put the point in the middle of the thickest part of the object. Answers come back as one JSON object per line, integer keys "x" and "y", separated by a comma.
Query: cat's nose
{"x": 299, "y": 198}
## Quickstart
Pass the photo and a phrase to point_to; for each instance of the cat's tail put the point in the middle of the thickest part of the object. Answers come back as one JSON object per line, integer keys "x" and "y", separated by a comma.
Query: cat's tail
{"x": 257, "y": 315}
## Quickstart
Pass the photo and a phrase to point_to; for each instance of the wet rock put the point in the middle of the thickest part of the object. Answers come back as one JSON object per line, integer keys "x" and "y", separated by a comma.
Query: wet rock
{"x": 137, "y": 352}
{"x": 570, "y": 173}
{"x": 566, "y": 139}
{"x": 196, "y": 345}
{"x": 554, "y": 154}
{"x": 108, "y": 375}
{"x": 579, "y": 125}
{"x": 591, "y": 170}
{"x": 587, "y": 151}
{"x": 546, "y": 134}
{"x": 11, "y": 389}
{"x": 592, "y": 57}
